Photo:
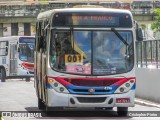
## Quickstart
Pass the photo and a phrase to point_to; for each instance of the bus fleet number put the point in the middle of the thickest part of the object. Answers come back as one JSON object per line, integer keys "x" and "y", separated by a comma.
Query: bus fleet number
{"x": 73, "y": 59}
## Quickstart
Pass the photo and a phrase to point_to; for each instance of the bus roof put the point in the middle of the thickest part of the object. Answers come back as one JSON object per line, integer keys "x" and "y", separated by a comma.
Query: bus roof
{"x": 48, "y": 14}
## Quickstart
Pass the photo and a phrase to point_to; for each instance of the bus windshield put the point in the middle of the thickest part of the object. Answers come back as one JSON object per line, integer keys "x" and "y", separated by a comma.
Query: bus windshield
{"x": 26, "y": 49}
{"x": 91, "y": 52}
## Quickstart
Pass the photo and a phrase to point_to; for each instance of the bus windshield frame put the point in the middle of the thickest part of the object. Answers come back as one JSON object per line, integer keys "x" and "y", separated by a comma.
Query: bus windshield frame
{"x": 59, "y": 41}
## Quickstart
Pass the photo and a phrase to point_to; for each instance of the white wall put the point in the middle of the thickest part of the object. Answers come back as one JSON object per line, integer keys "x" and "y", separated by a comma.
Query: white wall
{"x": 20, "y": 29}
{"x": 148, "y": 84}
{"x": 7, "y": 31}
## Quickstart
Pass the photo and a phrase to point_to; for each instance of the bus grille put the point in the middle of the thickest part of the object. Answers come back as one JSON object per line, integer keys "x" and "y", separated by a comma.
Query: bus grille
{"x": 92, "y": 82}
{"x": 86, "y": 90}
{"x": 96, "y": 86}
{"x": 91, "y": 99}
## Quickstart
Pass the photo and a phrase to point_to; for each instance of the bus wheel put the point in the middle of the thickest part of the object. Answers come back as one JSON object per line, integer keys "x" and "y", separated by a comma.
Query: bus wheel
{"x": 27, "y": 79}
{"x": 122, "y": 111}
{"x": 109, "y": 108}
{"x": 40, "y": 104}
{"x": 2, "y": 75}
{"x": 104, "y": 108}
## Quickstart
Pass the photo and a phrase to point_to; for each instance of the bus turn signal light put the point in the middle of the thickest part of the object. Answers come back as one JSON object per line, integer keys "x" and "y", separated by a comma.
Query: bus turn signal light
{"x": 57, "y": 86}
{"x": 51, "y": 80}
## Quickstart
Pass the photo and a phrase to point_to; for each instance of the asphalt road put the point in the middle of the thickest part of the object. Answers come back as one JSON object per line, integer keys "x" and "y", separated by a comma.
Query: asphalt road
{"x": 18, "y": 98}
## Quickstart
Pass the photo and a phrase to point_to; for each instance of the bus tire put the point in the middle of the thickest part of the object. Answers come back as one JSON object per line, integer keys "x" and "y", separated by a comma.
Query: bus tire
{"x": 2, "y": 75}
{"x": 109, "y": 108}
{"x": 27, "y": 79}
{"x": 122, "y": 111}
{"x": 104, "y": 108}
{"x": 40, "y": 104}
{"x": 49, "y": 111}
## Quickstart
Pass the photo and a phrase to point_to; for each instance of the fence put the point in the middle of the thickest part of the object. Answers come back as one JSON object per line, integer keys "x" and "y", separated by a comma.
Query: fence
{"x": 148, "y": 54}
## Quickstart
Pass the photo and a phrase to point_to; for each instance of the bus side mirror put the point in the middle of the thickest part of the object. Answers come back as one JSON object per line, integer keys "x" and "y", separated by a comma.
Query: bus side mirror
{"x": 139, "y": 34}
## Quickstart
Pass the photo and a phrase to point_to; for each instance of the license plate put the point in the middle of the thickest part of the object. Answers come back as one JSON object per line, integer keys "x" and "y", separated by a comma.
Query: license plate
{"x": 122, "y": 100}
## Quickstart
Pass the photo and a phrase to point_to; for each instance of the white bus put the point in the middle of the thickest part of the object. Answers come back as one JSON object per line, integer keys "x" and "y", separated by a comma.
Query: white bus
{"x": 16, "y": 57}
{"x": 84, "y": 58}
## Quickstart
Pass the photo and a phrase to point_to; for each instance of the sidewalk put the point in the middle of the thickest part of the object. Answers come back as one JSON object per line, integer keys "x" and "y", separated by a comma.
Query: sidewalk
{"x": 146, "y": 103}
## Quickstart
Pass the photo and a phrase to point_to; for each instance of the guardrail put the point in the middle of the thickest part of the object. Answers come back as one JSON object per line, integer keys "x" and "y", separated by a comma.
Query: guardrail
{"x": 148, "y": 54}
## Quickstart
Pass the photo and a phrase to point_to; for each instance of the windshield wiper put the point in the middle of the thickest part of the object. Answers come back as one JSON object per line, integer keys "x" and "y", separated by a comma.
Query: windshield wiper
{"x": 119, "y": 36}
{"x": 72, "y": 39}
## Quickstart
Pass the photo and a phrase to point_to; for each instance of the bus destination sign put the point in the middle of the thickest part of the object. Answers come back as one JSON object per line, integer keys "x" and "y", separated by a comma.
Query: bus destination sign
{"x": 110, "y": 19}
{"x": 94, "y": 20}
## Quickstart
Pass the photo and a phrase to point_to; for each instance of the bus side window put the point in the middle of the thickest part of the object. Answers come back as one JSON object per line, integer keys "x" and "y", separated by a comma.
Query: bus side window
{"x": 6, "y": 48}
{"x": 3, "y": 48}
{"x": 53, "y": 48}
{"x": 45, "y": 28}
{"x": 39, "y": 36}
{"x": 36, "y": 36}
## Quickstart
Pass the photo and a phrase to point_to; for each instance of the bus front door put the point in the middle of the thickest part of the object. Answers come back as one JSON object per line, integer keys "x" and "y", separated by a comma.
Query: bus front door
{"x": 13, "y": 59}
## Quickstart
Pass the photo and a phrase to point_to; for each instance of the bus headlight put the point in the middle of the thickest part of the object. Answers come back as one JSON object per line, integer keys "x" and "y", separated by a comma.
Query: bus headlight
{"x": 125, "y": 87}
{"x": 58, "y": 87}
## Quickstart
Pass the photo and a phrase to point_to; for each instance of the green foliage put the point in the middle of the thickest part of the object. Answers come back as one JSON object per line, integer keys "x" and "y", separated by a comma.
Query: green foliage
{"x": 143, "y": 26}
{"x": 156, "y": 24}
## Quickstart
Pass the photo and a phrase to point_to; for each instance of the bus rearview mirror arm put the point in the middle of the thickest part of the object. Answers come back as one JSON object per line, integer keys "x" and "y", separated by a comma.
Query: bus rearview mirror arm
{"x": 46, "y": 27}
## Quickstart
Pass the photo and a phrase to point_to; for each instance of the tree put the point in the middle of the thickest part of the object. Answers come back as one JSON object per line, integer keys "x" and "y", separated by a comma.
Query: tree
{"x": 155, "y": 26}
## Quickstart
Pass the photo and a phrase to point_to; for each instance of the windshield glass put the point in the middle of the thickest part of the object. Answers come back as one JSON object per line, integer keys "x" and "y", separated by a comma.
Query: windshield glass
{"x": 91, "y": 52}
{"x": 26, "y": 49}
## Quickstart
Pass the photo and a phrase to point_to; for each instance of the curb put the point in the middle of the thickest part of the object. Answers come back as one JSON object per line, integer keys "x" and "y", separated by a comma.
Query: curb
{"x": 146, "y": 103}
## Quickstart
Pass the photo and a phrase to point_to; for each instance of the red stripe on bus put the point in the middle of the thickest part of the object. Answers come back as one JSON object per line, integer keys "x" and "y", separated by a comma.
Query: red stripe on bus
{"x": 28, "y": 65}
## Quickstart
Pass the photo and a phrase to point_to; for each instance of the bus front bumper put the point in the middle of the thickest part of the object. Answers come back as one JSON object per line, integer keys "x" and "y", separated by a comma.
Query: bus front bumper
{"x": 25, "y": 72}
{"x": 90, "y": 101}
